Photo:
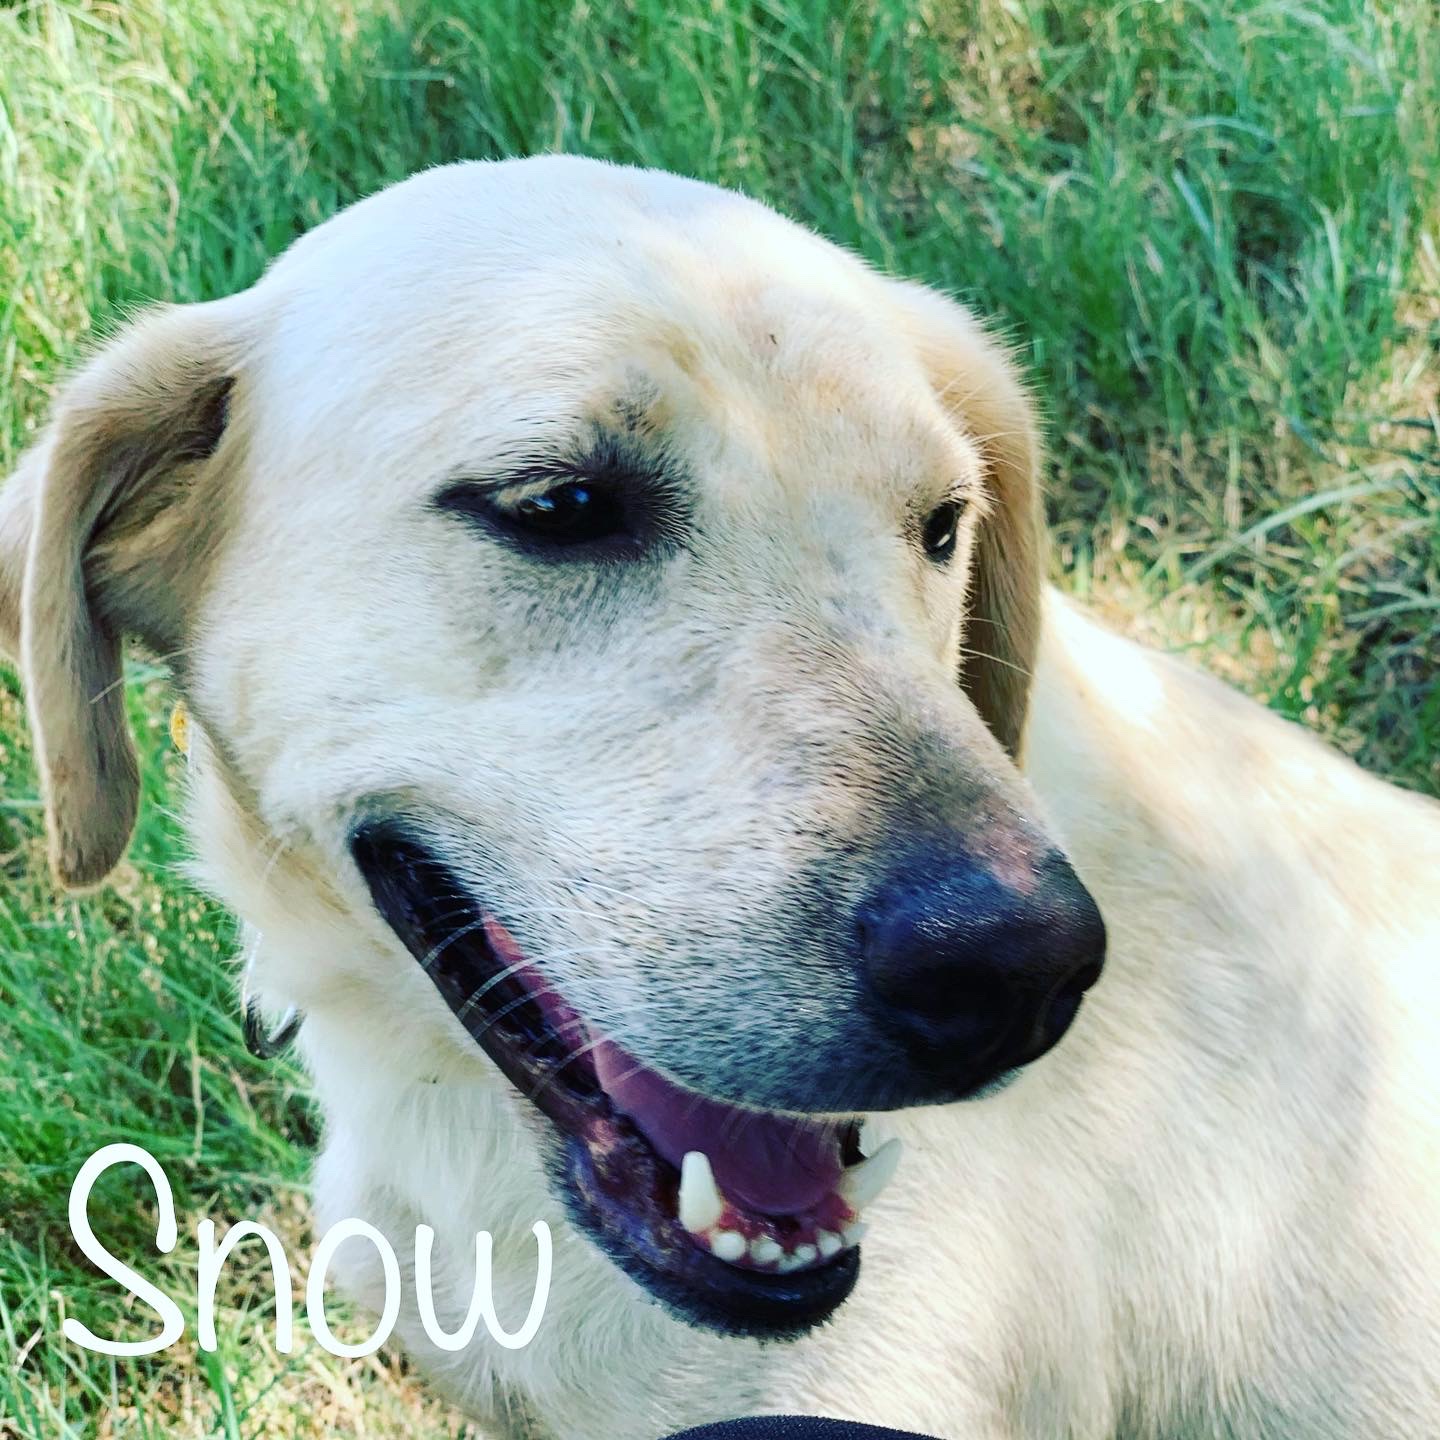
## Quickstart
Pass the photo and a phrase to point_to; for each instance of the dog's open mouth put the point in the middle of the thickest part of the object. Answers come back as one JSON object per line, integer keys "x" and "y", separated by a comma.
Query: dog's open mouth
{"x": 742, "y": 1221}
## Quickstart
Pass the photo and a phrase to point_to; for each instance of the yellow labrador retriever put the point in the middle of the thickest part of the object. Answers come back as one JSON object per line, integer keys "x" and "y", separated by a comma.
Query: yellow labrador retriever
{"x": 628, "y": 714}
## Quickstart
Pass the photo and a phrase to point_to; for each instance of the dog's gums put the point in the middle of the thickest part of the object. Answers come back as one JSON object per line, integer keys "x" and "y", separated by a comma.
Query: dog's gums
{"x": 739, "y": 1220}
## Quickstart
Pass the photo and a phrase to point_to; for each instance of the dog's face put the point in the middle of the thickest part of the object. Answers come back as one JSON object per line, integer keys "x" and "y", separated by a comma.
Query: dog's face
{"x": 606, "y": 612}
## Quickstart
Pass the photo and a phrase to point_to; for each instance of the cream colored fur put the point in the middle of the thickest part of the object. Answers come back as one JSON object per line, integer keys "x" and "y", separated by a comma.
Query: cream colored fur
{"x": 1213, "y": 1210}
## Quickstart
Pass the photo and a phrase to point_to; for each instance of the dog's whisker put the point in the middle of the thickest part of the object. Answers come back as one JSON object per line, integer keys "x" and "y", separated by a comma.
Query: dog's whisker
{"x": 970, "y": 653}
{"x": 553, "y": 1074}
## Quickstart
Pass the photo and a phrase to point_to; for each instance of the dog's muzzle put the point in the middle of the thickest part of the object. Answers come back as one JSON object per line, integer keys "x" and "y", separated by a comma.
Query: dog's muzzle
{"x": 743, "y": 1220}
{"x": 740, "y": 1220}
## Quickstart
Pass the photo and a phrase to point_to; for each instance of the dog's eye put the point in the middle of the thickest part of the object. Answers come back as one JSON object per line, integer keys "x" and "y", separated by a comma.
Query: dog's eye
{"x": 570, "y": 514}
{"x": 941, "y": 527}
{"x": 574, "y": 512}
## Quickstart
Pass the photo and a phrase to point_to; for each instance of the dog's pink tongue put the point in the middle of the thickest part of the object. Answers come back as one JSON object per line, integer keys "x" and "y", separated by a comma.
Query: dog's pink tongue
{"x": 771, "y": 1163}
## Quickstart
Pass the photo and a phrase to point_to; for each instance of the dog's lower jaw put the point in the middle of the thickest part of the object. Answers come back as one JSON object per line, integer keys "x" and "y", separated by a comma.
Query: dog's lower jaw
{"x": 472, "y": 1161}
{"x": 608, "y": 1361}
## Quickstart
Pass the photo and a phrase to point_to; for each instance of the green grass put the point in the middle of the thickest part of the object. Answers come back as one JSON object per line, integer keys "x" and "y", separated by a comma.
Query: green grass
{"x": 1211, "y": 228}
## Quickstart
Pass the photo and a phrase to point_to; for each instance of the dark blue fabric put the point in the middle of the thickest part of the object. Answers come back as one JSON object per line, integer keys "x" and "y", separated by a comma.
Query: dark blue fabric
{"x": 794, "y": 1427}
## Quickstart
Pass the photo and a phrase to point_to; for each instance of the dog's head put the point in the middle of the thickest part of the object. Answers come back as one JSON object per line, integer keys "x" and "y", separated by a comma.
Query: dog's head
{"x": 607, "y": 613}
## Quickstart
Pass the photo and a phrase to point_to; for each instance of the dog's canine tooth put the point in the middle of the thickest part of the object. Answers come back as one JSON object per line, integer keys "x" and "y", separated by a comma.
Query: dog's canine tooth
{"x": 861, "y": 1183}
{"x": 828, "y": 1243}
{"x": 764, "y": 1250}
{"x": 700, "y": 1205}
{"x": 727, "y": 1245}
{"x": 853, "y": 1234}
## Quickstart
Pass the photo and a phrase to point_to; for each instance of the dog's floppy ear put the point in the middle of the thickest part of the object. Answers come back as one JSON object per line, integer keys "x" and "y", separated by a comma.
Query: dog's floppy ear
{"x": 16, "y": 504}
{"x": 101, "y": 531}
{"x": 979, "y": 385}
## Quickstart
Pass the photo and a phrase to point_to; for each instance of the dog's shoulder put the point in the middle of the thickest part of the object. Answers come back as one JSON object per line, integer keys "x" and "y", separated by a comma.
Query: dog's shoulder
{"x": 1127, "y": 736}
{"x": 1225, "y": 842}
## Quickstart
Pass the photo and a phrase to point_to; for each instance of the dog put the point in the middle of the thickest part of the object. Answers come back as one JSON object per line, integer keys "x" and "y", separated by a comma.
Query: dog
{"x": 628, "y": 713}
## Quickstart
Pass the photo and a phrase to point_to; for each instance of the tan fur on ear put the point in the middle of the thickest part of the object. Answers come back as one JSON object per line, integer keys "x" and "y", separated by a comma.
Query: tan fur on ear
{"x": 979, "y": 385}
{"x": 17, "y": 508}
{"x": 112, "y": 502}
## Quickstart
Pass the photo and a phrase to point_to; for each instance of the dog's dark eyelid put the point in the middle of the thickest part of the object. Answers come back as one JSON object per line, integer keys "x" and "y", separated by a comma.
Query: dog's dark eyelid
{"x": 611, "y": 499}
{"x": 463, "y": 497}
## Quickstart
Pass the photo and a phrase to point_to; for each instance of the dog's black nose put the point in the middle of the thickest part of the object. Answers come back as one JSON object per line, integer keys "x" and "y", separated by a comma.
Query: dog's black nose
{"x": 975, "y": 975}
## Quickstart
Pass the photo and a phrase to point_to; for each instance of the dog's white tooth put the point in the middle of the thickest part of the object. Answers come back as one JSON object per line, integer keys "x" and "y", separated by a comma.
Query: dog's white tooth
{"x": 786, "y": 1263}
{"x": 853, "y": 1234}
{"x": 764, "y": 1251}
{"x": 828, "y": 1243}
{"x": 700, "y": 1204}
{"x": 806, "y": 1254}
{"x": 861, "y": 1183}
{"x": 727, "y": 1245}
